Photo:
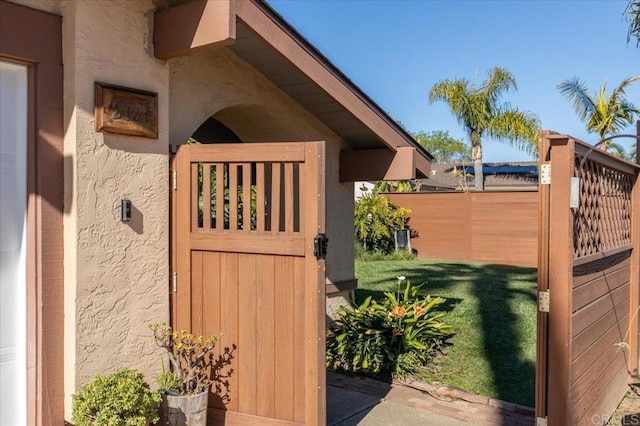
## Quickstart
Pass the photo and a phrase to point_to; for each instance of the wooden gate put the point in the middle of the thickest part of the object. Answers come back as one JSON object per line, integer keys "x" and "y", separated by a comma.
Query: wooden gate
{"x": 244, "y": 221}
{"x": 588, "y": 282}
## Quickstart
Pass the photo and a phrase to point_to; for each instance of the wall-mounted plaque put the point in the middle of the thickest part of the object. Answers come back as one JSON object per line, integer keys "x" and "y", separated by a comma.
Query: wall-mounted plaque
{"x": 127, "y": 111}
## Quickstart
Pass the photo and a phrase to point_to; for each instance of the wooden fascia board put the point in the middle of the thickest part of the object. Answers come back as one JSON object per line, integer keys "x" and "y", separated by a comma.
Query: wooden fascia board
{"x": 379, "y": 164}
{"x": 193, "y": 26}
{"x": 301, "y": 55}
{"x": 422, "y": 164}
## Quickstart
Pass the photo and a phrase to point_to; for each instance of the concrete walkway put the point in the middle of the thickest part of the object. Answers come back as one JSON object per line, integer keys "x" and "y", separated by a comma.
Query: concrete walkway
{"x": 364, "y": 401}
{"x": 348, "y": 408}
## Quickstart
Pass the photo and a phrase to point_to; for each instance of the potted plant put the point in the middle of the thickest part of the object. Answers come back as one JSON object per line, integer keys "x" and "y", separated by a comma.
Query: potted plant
{"x": 184, "y": 389}
{"x": 121, "y": 398}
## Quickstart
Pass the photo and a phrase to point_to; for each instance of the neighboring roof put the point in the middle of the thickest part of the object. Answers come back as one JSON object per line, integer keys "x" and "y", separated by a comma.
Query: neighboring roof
{"x": 515, "y": 175}
{"x": 274, "y": 48}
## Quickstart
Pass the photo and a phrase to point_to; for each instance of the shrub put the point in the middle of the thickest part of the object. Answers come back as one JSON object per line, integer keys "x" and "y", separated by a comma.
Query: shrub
{"x": 377, "y": 255}
{"x": 396, "y": 336}
{"x": 376, "y": 219}
{"x": 122, "y": 398}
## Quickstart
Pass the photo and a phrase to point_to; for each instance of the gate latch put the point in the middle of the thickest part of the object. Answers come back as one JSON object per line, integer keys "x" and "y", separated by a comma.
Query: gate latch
{"x": 320, "y": 243}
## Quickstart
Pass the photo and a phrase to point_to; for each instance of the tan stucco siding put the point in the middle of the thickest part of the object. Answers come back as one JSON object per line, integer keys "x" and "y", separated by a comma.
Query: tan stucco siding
{"x": 116, "y": 274}
{"x": 217, "y": 83}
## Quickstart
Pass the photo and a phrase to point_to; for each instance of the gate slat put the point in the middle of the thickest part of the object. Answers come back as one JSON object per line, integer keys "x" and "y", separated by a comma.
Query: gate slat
{"x": 246, "y": 197}
{"x": 299, "y": 369}
{"x": 246, "y": 324}
{"x": 196, "y": 292}
{"x": 206, "y": 197}
{"x": 260, "y": 220}
{"x": 284, "y": 342}
{"x": 182, "y": 319}
{"x": 233, "y": 197}
{"x": 229, "y": 320}
{"x": 219, "y": 196}
{"x": 194, "y": 198}
{"x": 288, "y": 198}
{"x": 275, "y": 198}
{"x": 211, "y": 295}
{"x": 266, "y": 379}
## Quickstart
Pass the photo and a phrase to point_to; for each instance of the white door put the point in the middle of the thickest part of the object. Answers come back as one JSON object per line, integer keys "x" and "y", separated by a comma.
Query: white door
{"x": 13, "y": 250}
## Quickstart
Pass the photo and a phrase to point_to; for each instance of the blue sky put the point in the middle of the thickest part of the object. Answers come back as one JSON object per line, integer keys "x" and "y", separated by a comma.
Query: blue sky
{"x": 396, "y": 50}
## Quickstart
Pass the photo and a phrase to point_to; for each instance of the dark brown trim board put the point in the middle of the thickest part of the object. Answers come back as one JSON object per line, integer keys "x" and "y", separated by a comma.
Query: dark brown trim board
{"x": 34, "y": 38}
{"x": 340, "y": 286}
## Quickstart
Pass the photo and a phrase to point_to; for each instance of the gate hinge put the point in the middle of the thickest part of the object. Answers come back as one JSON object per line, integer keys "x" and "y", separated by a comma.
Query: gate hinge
{"x": 541, "y": 421}
{"x": 545, "y": 174}
{"x": 574, "y": 200}
{"x": 174, "y": 284}
{"x": 543, "y": 301}
{"x": 320, "y": 243}
{"x": 175, "y": 179}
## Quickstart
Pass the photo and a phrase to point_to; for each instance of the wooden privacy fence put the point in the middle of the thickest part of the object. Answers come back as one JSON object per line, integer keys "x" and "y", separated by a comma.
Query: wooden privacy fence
{"x": 589, "y": 269}
{"x": 496, "y": 227}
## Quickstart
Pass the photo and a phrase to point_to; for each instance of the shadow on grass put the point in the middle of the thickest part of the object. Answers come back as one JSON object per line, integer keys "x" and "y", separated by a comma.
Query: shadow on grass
{"x": 491, "y": 287}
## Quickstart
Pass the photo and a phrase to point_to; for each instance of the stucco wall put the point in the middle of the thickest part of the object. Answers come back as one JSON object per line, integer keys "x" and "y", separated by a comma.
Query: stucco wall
{"x": 217, "y": 83}
{"x": 116, "y": 274}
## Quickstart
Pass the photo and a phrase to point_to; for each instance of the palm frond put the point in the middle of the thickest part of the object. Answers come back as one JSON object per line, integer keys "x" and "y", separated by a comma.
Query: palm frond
{"x": 459, "y": 96}
{"x": 500, "y": 80}
{"x": 632, "y": 13}
{"x": 618, "y": 150}
{"x": 519, "y": 128}
{"x": 623, "y": 85}
{"x": 576, "y": 91}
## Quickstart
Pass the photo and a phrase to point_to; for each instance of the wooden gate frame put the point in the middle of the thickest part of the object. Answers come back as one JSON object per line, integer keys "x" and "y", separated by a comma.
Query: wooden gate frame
{"x": 314, "y": 223}
{"x": 555, "y": 269}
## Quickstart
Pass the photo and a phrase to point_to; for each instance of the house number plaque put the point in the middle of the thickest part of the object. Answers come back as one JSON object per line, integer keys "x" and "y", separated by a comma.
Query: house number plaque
{"x": 126, "y": 111}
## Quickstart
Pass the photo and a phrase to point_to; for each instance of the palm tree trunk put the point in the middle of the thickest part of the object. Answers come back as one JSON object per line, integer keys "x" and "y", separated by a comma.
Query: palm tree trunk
{"x": 476, "y": 153}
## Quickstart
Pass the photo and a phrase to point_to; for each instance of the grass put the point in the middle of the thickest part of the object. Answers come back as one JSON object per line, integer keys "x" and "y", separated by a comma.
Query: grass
{"x": 492, "y": 309}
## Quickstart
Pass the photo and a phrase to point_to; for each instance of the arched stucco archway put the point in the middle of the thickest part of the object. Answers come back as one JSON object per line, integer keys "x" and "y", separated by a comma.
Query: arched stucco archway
{"x": 246, "y": 123}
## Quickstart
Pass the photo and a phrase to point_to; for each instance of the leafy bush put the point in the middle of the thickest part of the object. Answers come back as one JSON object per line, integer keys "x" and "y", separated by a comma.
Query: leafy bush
{"x": 377, "y": 255}
{"x": 375, "y": 221}
{"x": 119, "y": 399}
{"x": 396, "y": 336}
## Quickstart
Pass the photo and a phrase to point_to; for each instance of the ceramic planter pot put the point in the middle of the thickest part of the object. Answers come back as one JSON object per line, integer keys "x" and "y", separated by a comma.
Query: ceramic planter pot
{"x": 184, "y": 410}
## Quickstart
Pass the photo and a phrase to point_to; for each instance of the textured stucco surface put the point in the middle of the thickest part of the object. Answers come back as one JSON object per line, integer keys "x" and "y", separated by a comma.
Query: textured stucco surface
{"x": 217, "y": 83}
{"x": 116, "y": 274}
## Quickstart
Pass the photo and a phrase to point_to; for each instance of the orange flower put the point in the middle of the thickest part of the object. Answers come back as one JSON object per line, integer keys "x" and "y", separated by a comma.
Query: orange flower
{"x": 419, "y": 310}
{"x": 398, "y": 312}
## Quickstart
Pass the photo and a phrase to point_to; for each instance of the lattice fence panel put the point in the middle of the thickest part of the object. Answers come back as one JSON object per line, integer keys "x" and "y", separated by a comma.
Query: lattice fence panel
{"x": 603, "y": 219}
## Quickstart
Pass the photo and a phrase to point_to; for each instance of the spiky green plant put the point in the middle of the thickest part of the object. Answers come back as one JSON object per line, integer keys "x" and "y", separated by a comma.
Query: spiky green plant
{"x": 396, "y": 335}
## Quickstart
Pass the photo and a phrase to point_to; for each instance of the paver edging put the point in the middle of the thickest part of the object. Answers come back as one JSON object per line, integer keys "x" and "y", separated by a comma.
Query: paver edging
{"x": 442, "y": 392}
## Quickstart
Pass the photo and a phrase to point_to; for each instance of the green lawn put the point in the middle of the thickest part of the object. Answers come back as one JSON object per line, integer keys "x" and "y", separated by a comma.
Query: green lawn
{"x": 492, "y": 309}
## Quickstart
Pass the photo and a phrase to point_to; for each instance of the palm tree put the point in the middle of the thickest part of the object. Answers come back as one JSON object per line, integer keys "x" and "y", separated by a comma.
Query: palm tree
{"x": 479, "y": 111}
{"x": 632, "y": 13}
{"x": 603, "y": 115}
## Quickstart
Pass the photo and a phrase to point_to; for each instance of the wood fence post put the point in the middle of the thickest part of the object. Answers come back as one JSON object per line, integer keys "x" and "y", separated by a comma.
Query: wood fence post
{"x": 634, "y": 287}
{"x": 543, "y": 282}
{"x": 560, "y": 281}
